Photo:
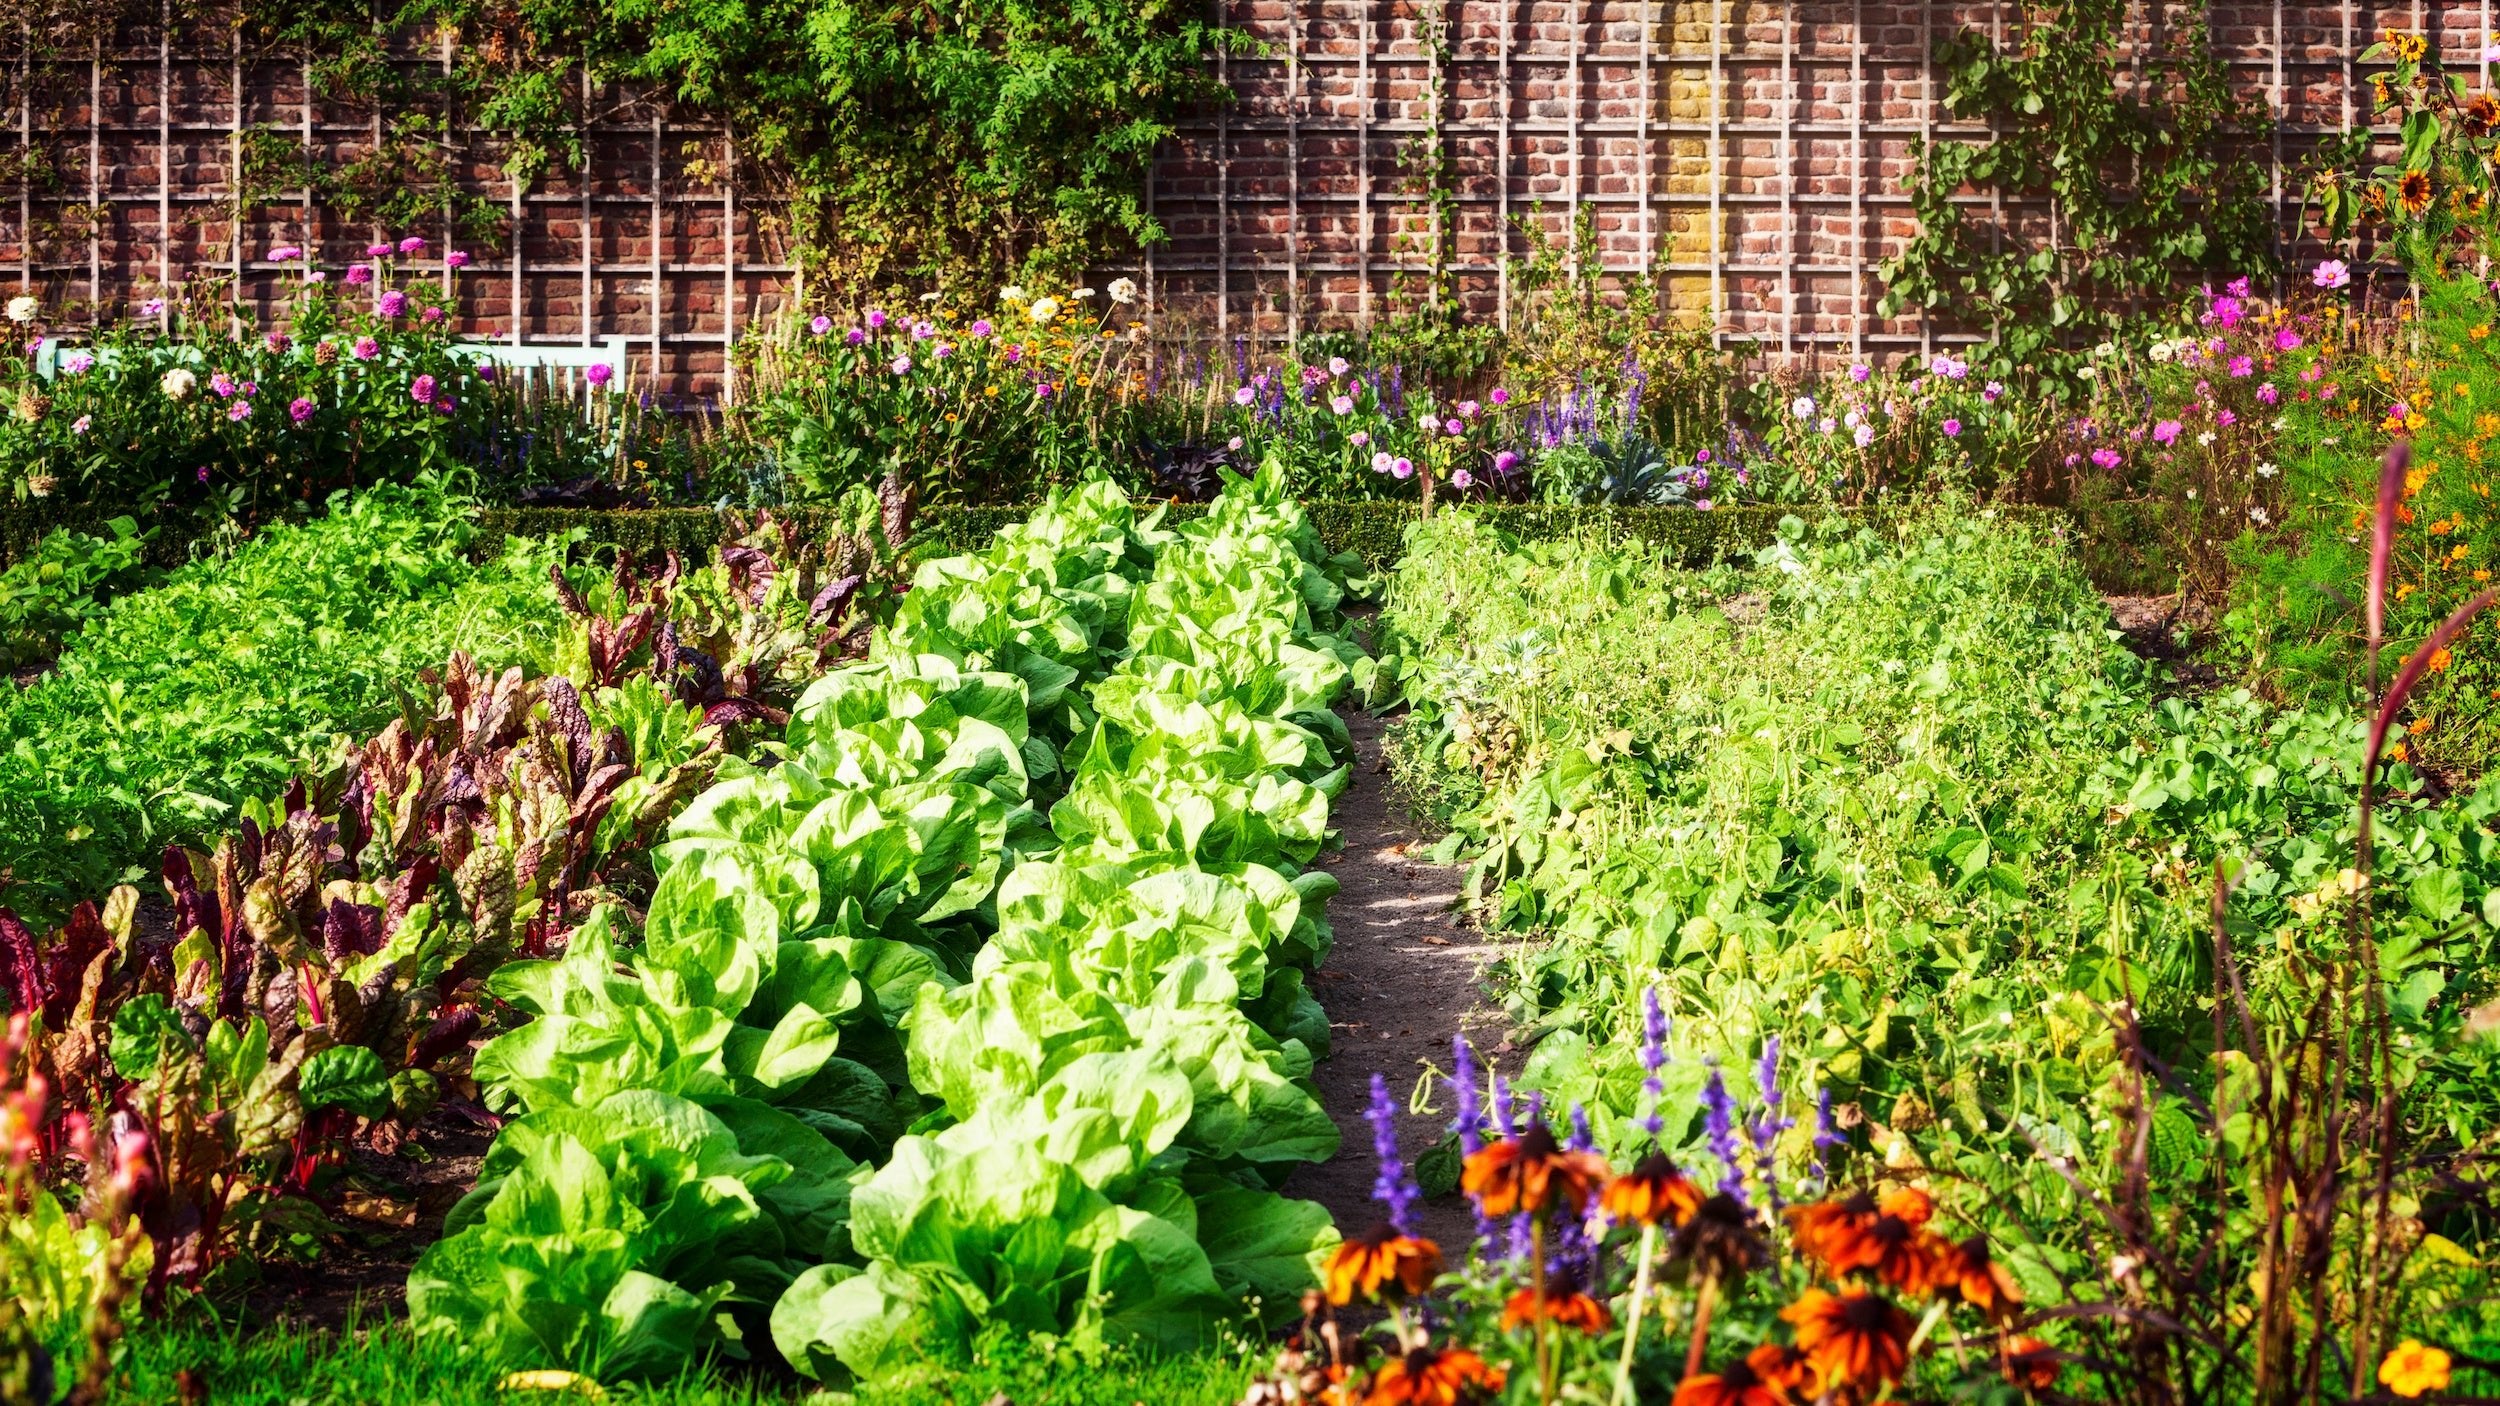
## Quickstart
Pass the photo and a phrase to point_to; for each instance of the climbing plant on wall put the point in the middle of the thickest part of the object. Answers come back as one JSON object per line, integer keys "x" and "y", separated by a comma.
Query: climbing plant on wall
{"x": 940, "y": 141}
{"x": 2120, "y": 115}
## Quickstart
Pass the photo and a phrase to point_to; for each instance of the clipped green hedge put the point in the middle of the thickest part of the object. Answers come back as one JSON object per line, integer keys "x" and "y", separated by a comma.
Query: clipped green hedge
{"x": 2119, "y": 542}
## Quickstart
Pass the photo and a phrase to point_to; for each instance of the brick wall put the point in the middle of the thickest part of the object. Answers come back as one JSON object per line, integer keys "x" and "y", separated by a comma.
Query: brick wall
{"x": 1749, "y": 152}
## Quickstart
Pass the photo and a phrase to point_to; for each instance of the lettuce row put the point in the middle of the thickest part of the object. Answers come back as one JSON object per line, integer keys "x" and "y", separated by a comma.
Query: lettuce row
{"x": 1075, "y": 1035}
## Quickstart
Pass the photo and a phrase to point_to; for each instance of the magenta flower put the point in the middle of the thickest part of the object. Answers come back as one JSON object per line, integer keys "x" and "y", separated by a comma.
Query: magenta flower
{"x": 2167, "y": 432}
{"x": 299, "y": 409}
{"x": 1499, "y": 396}
{"x": 1402, "y": 468}
{"x": 1952, "y": 428}
{"x": 2242, "y": 366}
{"x": 1505, "y": 461}
{"x": 455, "y": 260}
{"x": 79, "y": 425}
{"x": 486, "y": 371}
{"x": 78, "y": 363}
{"x": 379, "y": 251}
{"x": 854, "y": 337}
{"x": 433, "y": 315}
{"x": 923, "y": 331}
{"x": 153, "y": 307}
{"x": 413, "y": 244}
{"x": 276, "y": 342}
{"x": 598, "y": 373}
{"x": 2267, "y": 394}
{"x": 1468, "y": 409}
{"x": 1991, "y": 391}
{"x": 820, "y": 324}
{"x": 2226, "y": 311}
{"x": 980, "y": 327}
{"x": 2287, "y": 340}
{"x": 285, "y": 254}
{"x": 421, "y": 390}
{"x": 222, "y": 383}
{"x": 251, "y": 387}
{"x": 240, "y": 410}
{"x": 1359, "y": 438}
{"x": 391, "y": 303}
{"x": 358, "y": 275}
{"x": 876, "y": 318}
{"x": 1462, "y": 480}
{"x": 443, "y": 405}
{"x": 901, "y": 365}
{"x": 1860, "y": 372}
{"x": 366, "y": 349}
{"x": 1453, "y": 427}
{"x": 1342, "y": 404}
{"x": 2331, "y": 274}
{"x": 1865, "y": 436}
{"x": 2106, "y": 457}
{"x": 2227, "y": 418}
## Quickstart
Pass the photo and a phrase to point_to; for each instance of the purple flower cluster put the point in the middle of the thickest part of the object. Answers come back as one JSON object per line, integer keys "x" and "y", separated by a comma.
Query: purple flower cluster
{"x": 1394, "y": 1188}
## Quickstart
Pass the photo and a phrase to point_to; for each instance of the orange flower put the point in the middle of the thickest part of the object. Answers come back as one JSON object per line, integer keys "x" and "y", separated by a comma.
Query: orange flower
{"x": 1736, "y": 1384}
{"x": 1818, "y": 1226}
{"x": 1893, "y": 1243}
{"x": 1531, "y": 1172}
{"x": 2411, "y": 1368}
{"x": 1720, "y": 1239}
{"x": 2032, "y": 1364}
{"x": 1968, "y": 1272}
{"x": 2414, "y": 188}
{"x": 1562, "y": 1302}
{"x": 1381, "y": 1258}
{"x": 1430, "y": 1376}
{"x": 1652, "y": 1192}
{"x": 2440, "y": 659}
{"x": 1792, "y": 1371}
{"x": 1856, "y": 1338}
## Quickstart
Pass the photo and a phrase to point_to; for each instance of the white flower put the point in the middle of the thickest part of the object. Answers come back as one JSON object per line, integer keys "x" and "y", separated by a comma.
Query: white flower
{"x": 2088, "y": 373}
{"x": 2265, "y": 471}
{"x": 2162, "y": 350}
{"x": 2258, "y": 515}
{"x": 1802, "y": 407}
{"x": 2105, "y": 350}
{"x": 1123, "y": 291}
{"x": 2191, "y": 495}
{"x": 2206, "y": 438}
{"x": 1012, "y": 293}
{"x": 177, "y": 383}
{"x": 23, "y": 308}
{"x": 1043, "y": 310}
{"x": 2282, "y": 423}
{"x": 1082, "y": 294}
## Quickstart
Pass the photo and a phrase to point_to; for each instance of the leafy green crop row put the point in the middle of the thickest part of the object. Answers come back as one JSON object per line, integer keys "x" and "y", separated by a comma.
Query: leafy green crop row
{"x": 241, "y": 673}
{"x": 981, "y": 1008}
{"x": 1897, "y": 810}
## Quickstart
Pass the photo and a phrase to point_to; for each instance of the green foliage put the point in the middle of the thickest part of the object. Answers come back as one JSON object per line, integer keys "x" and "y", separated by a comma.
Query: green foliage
{"x": 238, "y": 674}
{"x": 63, "y": 585}
{"x": 2143, "y": 170}
{"x": 2433, "y": 203}
{"x": 987, "y": 139}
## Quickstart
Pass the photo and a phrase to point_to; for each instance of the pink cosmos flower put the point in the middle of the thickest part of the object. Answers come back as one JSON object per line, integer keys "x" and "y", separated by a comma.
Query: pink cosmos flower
{"x": 2287, "y": 340}
{"x": 299, "y": 409}
{"x": 2331, "y": 274}
{"x": 2242, "y": 366}
{"x": 2267, "y": 394}
{"x": 2106, "y": 457}
{"x": 2166, "y": 432}
{"x": 366, "y": 349}
{"x": 2227, "y": 417}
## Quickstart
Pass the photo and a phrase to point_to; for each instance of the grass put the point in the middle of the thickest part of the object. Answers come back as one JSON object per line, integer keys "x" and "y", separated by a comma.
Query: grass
{"x": 388, "y": 1365}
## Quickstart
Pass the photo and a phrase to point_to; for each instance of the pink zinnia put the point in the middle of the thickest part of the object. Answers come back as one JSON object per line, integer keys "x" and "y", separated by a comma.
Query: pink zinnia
{"x": 392, "y": 303}
{"x": 820, "y": 324}
{"x": 358, "y": 275}
{"x": 433, "y": 315}
{"x": 1952, "y": 429}
{"x": 901, "y": 365}
{"x": 876, "y": 318}
{"x": 240, "y": 410}
{"x": 1462, "y": 479}
{"x": 599, "y": 373}
{"x": 413, "y": 244}
{"x": 1499, "y": 396}
{"x": 378, "y": 251}
{"x": 455, "y": 260}
{"x": 980, "y": 327}
{"x": 299, "y": 409}
{"x": 366, "y": 349}
{"x": 421, "y": 390}
{"x": 285, "y": 254}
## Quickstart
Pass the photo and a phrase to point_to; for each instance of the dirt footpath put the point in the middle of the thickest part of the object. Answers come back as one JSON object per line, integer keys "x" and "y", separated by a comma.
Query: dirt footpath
{"x": 1402, "y": 979}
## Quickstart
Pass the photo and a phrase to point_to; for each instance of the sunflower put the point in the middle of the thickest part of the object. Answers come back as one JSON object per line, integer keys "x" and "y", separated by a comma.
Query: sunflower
{"x": 2409, "y": 47}
{"x": 1381, "y": 1258}
{"x": 1852, "y": 1338}
{"x": 1565, "y": 1300}
{"x": 1721, "y": 1239}
{"x": 1968, "y": 1272}
{"x": 1652, "y": 1192}
{"x": 1894, "y": 1244}
{"x": 1531, "y": 1172}
{"x": 1430, "y": 1376}
{"x": 2414, "y": 189}
{"x": 2032, "y": 1364}
{"x": 2482, "y": 113}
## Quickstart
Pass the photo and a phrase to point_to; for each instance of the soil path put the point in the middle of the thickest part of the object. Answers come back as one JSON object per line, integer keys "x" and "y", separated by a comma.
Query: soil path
{"x": 1403, "y": 978}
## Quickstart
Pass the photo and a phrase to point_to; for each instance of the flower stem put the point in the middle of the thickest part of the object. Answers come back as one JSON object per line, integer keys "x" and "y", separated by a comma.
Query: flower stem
{"x": 1703, "y": 1302}
{"x": 1632, "y": 1320}
{"x": 1544, "y": 1351}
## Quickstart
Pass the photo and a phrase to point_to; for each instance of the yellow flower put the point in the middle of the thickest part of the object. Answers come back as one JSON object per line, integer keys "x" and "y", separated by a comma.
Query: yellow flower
{"x": 2412, "y": 1369}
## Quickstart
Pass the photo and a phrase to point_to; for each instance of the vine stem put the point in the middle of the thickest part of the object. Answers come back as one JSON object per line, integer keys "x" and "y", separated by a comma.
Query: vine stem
{"x": 1632, "y": 1320}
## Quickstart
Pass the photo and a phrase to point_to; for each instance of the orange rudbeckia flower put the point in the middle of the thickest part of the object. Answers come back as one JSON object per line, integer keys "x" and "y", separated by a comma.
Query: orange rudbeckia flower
{"x": 1531, "y": 1172}
{"x": 1562, "y": 1302}
{"x": 1969, "y": 1273}
{"x": 1736, "y": 1384}
{"x": 1652, "y": 1192}
{"x": 1893, "y": 1243}
{"x": 1381, "y": 1258}
{"x": 1855, "y": 1338}
{"x": 1431, "y": 1376}
{"x": 2032, "y": 1364}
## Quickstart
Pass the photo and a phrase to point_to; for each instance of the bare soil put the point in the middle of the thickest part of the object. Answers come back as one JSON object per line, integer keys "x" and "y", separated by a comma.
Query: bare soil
{"x": 1405, "y": 975}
